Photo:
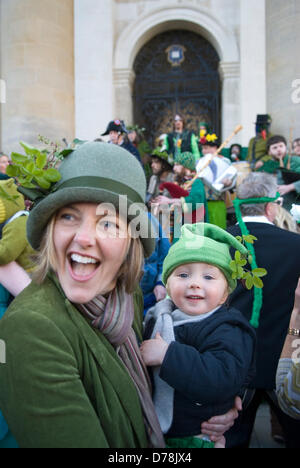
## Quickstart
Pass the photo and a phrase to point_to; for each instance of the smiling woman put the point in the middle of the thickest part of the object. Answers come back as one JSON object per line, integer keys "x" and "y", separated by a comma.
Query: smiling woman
{"x": 74, "y": 375}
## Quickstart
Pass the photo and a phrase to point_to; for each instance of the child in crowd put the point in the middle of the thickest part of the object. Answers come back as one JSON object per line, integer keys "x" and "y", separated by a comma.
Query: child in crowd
{"x": 283, "y": 165}
{"x": 201, "y": 350}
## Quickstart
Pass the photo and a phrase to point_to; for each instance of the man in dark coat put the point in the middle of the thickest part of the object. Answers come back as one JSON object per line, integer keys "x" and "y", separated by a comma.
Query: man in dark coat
{"x": 278, "y": 251}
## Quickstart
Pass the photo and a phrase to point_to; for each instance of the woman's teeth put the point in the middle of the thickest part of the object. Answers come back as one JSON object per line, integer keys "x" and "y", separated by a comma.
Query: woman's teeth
{"x": 85, "y": 260}
{"x": 83, "y": 266}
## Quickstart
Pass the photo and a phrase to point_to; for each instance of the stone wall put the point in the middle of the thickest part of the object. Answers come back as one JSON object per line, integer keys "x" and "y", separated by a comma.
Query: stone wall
{"x": 37, "y": 65}
{"x": 283, "y": 71}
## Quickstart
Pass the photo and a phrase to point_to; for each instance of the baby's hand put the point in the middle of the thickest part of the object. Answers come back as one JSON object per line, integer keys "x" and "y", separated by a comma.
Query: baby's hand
{"x": 154, "y": 351}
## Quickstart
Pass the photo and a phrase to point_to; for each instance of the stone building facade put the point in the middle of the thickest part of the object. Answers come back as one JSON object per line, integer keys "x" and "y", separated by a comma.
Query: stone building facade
{"x": 67, "y": 66}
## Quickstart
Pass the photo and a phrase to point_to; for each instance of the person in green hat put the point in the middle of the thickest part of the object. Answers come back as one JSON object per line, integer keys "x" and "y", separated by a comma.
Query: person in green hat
{"x": 162, "y": 171}
{"x": 184, "y": 169}
{"x": 194, "y": 339}
{"x": 74, "y": 375}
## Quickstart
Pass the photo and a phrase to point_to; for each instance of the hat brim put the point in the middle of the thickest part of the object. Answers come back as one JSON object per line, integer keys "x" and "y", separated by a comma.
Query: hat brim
{"x": 42, "y": 213}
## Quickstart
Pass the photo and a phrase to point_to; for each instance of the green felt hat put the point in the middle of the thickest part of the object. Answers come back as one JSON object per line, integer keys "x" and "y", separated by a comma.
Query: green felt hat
{"x": 203, "y": 243}
{"x": 96, "y": 173}
{"x": 186, "y": 160}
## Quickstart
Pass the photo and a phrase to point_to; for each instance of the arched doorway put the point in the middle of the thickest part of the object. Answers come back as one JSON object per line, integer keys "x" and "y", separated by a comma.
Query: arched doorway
{"x": 176, "y": 72}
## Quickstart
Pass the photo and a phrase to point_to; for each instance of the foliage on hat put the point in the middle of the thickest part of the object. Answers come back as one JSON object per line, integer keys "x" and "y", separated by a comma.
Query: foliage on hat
{"x": 163, "y": 155}
{"x": 135, "y": 128}
{"x": 249, "y": 278}
{"x": 36, "y": 171}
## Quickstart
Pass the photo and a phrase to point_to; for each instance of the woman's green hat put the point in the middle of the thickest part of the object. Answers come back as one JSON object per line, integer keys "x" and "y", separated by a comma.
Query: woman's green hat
{"x": 186, "y": 160}
{"x": 203, "y": 243}
{"x": 96, "y": 173}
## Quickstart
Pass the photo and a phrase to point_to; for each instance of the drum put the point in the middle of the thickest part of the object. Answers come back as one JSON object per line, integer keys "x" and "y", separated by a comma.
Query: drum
{"x": 243, "y": 169}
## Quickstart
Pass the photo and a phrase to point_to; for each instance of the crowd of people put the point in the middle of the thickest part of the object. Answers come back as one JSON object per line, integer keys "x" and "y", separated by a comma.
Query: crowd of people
{"x": 164, "y": 322}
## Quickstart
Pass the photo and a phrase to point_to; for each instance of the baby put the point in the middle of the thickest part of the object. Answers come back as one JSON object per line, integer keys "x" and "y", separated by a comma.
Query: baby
{"x": 201, "y": 350}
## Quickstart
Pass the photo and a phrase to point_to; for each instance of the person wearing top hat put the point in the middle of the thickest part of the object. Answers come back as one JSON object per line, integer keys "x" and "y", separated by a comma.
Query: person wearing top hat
{"x": 194, "y": 340}
{"x": 181, "y": 140}
{"x": 117, "y": 132}
{"x": 257, "y": 147}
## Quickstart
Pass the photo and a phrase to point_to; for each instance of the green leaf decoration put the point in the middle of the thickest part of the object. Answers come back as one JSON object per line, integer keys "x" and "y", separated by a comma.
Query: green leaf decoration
{"x": 29, "y": 150}
{"x": 13, "y": 171}
{"x": 258, "y": 282}
{"x": 249, "y": 282}
{"x": 43, "y": 183}
{"x": 41, "y": 160}
{"x": 18, "y": 158}
{"x": 249, "y": 239}
{"x": 251, "y": 278}
{"x": 36, "y": 170}
{"x": 259, "y": 272}
{"x": 52, "y": 175}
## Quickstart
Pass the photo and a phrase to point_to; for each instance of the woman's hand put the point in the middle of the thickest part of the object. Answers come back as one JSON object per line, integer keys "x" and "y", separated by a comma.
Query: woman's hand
{"x": 154, "y": 351}
{"x": 216, "y": 427}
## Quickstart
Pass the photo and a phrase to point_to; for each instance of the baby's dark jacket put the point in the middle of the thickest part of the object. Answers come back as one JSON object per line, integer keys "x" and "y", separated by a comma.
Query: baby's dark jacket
{"x": 210, "y": 363}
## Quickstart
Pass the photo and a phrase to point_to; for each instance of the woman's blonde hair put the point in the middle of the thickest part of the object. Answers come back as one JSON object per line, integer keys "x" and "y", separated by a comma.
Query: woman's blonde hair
{"x": 129, "y": 274}
{"x": 284, "y": 220}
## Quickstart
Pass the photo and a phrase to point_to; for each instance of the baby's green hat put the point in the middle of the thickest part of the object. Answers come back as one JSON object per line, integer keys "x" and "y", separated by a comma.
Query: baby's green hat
{"x": 203, "y": 243}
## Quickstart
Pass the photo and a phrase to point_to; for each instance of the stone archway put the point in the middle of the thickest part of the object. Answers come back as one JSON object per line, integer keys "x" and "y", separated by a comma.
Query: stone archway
{"x": 137, "y": 34}
{"x": 176, "y": 72}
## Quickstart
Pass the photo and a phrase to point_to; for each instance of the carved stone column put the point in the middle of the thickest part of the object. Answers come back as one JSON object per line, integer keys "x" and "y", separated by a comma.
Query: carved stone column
{"x": 123, "y": 91}
{"x": 231, "y": 112}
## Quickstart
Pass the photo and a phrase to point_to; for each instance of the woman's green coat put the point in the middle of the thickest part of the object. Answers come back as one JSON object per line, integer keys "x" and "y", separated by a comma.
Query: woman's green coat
{"x": 63, "y": 384}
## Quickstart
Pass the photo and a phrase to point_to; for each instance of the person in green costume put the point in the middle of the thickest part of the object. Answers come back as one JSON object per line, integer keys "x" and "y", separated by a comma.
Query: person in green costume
{"x": 282, "y": 164}
{"x": 257, "y": 147}
{"x": 181, "y": 140}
